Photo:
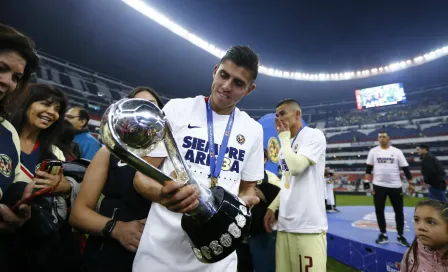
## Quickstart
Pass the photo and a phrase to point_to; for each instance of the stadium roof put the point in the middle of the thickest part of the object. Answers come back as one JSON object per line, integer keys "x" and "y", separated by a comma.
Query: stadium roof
{"x": 317, "y": 36}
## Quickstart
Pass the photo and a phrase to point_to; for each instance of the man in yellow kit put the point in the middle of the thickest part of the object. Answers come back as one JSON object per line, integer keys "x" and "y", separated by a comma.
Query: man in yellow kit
{"x": 302, "y": 221}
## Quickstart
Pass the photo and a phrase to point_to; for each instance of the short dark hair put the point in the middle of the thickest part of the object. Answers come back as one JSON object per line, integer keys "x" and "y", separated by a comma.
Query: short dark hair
{"x": 383, "y": 132}
{"x": 423, "y": 146}
{"x": 84, "y": 115}
{"x": 287, "y": 101}
{"x": 140, "y": 89}
{"x": 243, "y": 56}
{"x": 47, "y": 137}
{"x": 12, "y": 40}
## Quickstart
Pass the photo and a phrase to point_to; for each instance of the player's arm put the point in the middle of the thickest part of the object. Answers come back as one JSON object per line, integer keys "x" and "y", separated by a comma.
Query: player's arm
{"x": 369, "y": 167}
{"x": 368, "y": 175}
{"x": 275, "y": 203}
{"x": 405, "y": 166}
{"x": 248, "y": 193}
{"x": 407, "y": 173}
{"x": 253, "y": 170}
{"x": 296, "y": 163}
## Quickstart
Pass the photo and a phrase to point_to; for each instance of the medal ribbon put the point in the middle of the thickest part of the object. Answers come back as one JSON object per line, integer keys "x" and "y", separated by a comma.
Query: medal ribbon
{"x": 216, "y": 164}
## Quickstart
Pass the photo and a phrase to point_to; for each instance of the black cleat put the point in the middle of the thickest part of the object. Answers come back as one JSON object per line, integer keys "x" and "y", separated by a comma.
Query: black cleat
{"x": 382, "y": 239}
{"x": 402, "y": 241}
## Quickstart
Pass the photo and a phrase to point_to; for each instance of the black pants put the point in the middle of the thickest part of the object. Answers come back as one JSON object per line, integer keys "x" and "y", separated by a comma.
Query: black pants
{"x": 396, "y": 198}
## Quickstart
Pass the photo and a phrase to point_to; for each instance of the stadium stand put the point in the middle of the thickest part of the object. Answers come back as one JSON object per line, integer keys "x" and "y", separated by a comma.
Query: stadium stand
{"x": 350, "y": 132}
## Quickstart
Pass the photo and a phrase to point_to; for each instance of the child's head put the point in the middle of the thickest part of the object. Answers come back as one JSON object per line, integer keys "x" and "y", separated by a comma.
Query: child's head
{"x": 431, "y": 223}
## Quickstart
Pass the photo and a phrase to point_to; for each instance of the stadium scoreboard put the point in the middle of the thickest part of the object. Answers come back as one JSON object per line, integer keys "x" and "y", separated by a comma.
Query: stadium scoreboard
{"x": 379, "y": 96}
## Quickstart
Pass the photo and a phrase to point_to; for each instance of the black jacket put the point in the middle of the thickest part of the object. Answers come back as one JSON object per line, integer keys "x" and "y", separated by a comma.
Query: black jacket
{"x": 433, "y": 172}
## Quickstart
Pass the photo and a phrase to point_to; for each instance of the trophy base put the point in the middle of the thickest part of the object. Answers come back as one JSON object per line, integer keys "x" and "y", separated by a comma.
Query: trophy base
{"x": 216, "y": 238}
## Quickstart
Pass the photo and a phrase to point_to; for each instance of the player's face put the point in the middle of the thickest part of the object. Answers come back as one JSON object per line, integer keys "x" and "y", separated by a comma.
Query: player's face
{"x": 230, "y": 84}
{"x": 430, "y": 228}
{"x": 287, "y": 113}
{"x": 42, "y": 114}
{"x": 12, "y": 66}
{"x": 383, "y": 138}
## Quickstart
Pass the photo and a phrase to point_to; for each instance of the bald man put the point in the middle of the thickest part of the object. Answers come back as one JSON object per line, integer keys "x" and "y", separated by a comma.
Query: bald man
{"x": 302, "y": 221}
{"x": 79, "y": 118}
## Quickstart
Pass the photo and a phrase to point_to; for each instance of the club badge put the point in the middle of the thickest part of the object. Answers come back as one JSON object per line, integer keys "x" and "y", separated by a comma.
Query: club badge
{"x": 206, "y": 252}
{"x": 240, "y": 139}
{"x": 240, "y": 220}
{"x": 234, "y": 230}
{"x": 243, "y": 209}
{"x": 226, "y": 240}
{"x": 197, "y": 252}
{"x": 216, "y": 248}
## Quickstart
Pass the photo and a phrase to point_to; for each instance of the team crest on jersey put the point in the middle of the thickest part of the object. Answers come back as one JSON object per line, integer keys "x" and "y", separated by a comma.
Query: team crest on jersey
{"x": 273, "y": 149}
{"x": 296, "y": 147}
{"x": 5, "y": 165}
{"x": 240, "y": 139}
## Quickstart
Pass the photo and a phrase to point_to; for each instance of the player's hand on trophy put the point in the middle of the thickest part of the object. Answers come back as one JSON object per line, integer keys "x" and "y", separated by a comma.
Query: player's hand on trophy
{"x": 281, "y": 126}
{"x": 177, "y": 197}
{"x": 250, "y": 200}
{"x": 269, "y": 220}
{"x": 129, "y": 233}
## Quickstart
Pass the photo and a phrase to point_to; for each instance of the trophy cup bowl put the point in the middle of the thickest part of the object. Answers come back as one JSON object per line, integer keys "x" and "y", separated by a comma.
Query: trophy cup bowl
{"x": 131, "y": 129}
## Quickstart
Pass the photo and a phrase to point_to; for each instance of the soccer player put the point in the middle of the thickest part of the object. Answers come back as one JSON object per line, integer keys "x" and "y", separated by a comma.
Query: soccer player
{"x": 385, "y": 161}
{"x": 302, "y": 221}
{"x": 198, "y": 124}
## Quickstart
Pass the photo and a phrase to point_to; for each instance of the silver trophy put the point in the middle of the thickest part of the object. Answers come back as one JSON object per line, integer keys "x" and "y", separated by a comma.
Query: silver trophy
{"x": 131, "y": 129}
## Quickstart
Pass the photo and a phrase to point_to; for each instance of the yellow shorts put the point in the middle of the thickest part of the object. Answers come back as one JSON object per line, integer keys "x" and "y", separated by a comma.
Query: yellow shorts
{"x": 300, "y": 252}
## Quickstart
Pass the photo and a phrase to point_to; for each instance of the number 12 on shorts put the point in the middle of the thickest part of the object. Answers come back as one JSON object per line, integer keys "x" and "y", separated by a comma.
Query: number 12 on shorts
{"x": 307, "y": 259}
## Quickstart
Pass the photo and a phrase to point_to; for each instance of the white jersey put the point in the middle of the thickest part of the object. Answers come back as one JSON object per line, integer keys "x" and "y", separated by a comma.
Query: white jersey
{"x": 386, "y": 166}
{"x": 302, "y": 206}
{"x": 330, "y": 194}
{"x": 164, "y": 246}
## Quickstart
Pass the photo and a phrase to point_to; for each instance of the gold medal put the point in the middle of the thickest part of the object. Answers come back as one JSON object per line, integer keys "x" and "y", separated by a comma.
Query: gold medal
{"x": 213, "y": 182}
{"x": 287, "y": 180}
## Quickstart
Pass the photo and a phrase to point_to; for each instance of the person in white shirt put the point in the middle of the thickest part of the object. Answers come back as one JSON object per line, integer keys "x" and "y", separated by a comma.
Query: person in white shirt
{"x": 329, "y": 193}
{"x": 385, "y": 161}
{"x": 302, "y": 221}
{"x": 164, "y": 246}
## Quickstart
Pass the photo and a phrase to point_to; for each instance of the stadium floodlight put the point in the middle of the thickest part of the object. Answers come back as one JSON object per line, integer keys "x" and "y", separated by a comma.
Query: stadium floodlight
{"x": 145, "y": 8}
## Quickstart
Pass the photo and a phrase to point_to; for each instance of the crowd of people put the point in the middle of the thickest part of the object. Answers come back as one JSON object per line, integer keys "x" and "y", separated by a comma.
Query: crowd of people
{"x": 114, "y": 218}
{"x": 343, "y": 118}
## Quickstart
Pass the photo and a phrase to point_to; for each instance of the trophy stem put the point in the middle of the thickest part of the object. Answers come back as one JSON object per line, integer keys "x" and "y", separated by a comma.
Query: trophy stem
{"x": 207, "y": 207}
